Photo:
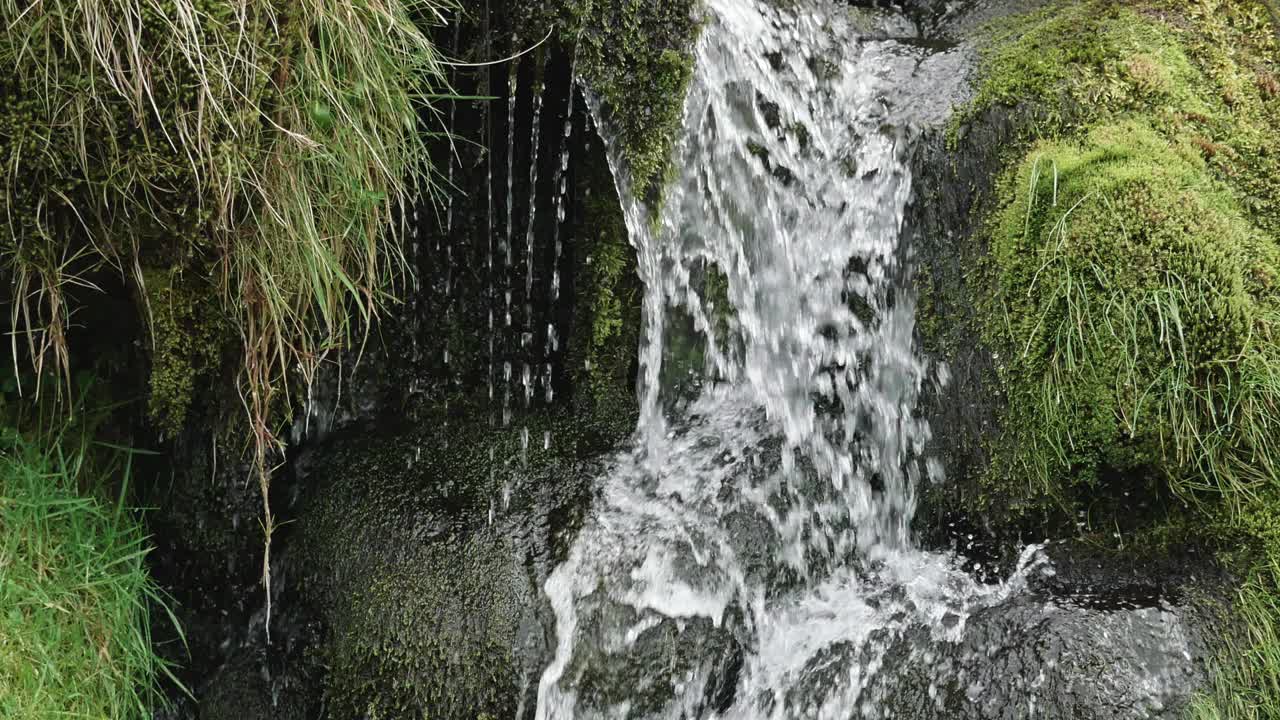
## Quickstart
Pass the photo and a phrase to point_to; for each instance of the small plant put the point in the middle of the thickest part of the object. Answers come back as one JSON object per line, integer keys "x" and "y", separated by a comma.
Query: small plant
{"x": 75, "y": 593}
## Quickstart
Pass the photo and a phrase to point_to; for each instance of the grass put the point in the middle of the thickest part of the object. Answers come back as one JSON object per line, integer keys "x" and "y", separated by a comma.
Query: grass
{"x": 242, "y": 164}
{"x": 1131, "y": 289}
{"x": 74, "y": 586}
{"x": 1132, "y": 300}
{"x": 1246, "y": 683}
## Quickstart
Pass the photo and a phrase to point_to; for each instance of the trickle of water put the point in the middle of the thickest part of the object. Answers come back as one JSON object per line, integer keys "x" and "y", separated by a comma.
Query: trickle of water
{"x": 548, "y": 391}
{"x": 767, "y": 519}
{"x": 526, "y": 384}
{"x": 512, "y": 82}
{"x": 506, "y": 393}
{"x": 533, "y": 206}
{"x": 490, "y": 230}
{"x": 524, "y": 446}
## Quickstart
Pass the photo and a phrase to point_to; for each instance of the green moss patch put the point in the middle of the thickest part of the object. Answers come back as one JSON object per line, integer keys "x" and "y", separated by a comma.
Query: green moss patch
{"x": 1130, "y": 291}
{"x": 1133, "y": 255}
{"x": 638, "y": 55}
{"x": 1133, "y": 304}
{"x": 434, "y": 637}
{"x": 607, "y": 318}
{"x": 189, "y": 333}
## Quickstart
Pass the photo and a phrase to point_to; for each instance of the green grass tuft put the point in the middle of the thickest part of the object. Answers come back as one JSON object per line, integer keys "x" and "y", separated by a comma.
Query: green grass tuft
{"x": 74, "y": 590}
{"x": 1132, "y": 301}
{"x": 1246, "y": 684}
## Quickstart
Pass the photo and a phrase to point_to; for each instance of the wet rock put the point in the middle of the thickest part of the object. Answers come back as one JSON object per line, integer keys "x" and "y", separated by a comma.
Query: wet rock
{"x": 1047, "y": 652}
{"x": 422, "y": 552}
{"x": 208, "y": 547}
{"x": 1053, "y": 656}
{"x": 954, "y": 171}
{"x": 523, "y": 296}
{"x": 1118, "y": 631}
{"x": 248, "y": 687}
{"x": 665, "y": 665}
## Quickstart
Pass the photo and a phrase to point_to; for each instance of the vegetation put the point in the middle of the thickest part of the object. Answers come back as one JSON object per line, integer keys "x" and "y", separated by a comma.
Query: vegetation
{"x": 1134, "y": 305}
{"x": 609, "y": 295}
{"x": 1130, "y": 291}
{"x": 240, "y": 164}
{"x": 74, "y": 587}
{"x": 637, "y": 55}
{"x": 1246, "y": 684}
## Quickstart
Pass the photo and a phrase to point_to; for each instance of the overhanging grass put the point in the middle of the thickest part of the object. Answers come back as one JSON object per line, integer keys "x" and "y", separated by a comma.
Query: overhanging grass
{"x": 264, "y": 146}
{"x": 243, "y": 164}
{"x": 74, "y": 590}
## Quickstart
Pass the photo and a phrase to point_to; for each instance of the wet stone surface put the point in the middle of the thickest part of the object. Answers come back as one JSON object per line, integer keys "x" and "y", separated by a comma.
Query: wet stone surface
{"x": 449, "y": 565}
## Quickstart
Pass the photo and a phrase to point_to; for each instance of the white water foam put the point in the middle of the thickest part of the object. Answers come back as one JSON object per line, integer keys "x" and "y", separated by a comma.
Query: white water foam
{"x": 758, "y": 533}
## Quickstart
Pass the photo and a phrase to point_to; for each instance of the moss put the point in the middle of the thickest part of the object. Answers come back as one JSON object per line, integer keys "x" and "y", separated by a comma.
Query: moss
{"x": 1129, "y": 293}
{"x": 609, "y": 292}
{"x": 434, "y": 638}
{"x": 638, "y": 56}
{"x": 1245, "y": 684}
{"x": 89, "y": 188}
{"x": 1125, "y": 289}
{"x": 188, "y": 333}
{"x": 196, "y": 148}
{"x": 1148, "y": 195}
{"x": 928, "y": 319}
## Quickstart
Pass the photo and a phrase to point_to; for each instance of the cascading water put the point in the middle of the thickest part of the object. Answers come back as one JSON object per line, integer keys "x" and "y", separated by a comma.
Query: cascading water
{"x": 750, "y": 556}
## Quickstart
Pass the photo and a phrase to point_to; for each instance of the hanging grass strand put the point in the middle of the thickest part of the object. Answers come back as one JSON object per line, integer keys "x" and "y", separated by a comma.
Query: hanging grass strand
{"x": 242, "y": 161}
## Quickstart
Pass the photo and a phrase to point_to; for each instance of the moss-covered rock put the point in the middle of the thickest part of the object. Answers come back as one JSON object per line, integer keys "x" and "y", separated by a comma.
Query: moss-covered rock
{"x": 423, "y": 553}
{"x": 608, "y": 325}
{"x": 1129, "y": 299}
{"x": 638, "y": 56}
{"x": 1120, "y": 266}
{"x": 1109, "y": 312}
{"x": 437, "y": 634}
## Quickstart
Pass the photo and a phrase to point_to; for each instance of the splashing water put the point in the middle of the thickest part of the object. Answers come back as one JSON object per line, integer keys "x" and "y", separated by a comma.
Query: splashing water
{"x": 750, "y": 557}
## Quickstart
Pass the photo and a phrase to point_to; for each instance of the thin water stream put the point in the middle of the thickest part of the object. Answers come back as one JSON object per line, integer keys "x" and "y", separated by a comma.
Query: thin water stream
{"x": 750, "y": 557}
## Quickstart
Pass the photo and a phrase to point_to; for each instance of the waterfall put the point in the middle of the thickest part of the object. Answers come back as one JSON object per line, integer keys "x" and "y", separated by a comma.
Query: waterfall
{"x": 750, "y": 556}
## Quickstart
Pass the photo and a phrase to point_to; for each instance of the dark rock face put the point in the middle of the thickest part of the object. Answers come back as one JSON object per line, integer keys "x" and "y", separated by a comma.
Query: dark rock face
{"x": 1113, "y": 633}
{"x": 939, "y": 226}
{"x": 422, "y": 555}
{"x": 950, "y": 18}
{"x": 525, "y": 305}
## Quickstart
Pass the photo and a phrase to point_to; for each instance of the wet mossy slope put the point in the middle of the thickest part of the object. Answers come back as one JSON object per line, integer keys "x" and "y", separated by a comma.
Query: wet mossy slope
{"x": 424, "y": 552}
{"x": 1124, "y": 277}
